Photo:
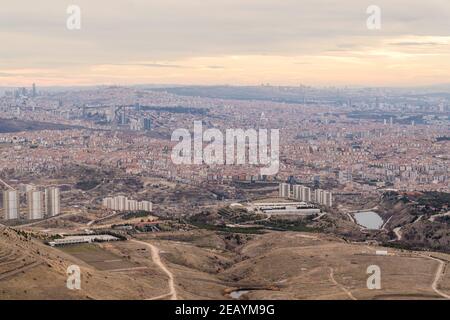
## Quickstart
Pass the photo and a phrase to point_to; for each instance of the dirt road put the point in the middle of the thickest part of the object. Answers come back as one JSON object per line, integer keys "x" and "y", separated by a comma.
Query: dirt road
{"x": 437, "y": 278}
{"x": 344, "y": 289}
{"x": 157, "y": 260}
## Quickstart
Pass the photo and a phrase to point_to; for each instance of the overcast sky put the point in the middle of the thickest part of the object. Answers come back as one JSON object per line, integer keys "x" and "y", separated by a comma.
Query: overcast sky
{"x": 315, "y": 42}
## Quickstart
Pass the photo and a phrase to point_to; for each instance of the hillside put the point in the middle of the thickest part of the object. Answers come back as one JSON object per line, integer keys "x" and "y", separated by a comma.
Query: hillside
{"x": 211, "y": 265}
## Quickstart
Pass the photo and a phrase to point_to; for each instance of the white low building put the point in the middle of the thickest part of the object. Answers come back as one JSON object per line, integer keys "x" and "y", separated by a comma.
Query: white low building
{"x": 82, "y": 239}
{"x": 296, "y": 208}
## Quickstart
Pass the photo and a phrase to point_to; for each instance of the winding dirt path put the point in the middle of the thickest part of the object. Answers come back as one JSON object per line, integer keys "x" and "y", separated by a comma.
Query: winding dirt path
{"x": 437, "y": 278}
{"x": 347, "y": 292}
{"x": 157, "y": 260}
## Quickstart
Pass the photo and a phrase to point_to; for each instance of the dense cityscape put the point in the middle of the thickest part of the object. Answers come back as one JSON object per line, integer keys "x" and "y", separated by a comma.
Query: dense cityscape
{"x": 240, "y": 157}
{"x": 96, "y": 165}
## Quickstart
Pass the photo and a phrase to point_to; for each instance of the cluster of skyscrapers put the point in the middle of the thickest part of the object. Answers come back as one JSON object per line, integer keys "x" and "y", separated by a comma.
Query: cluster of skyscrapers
{"x": 40, "y": 204}
{"x": 23, "y": 92}
{"x": 122, "y": 203}
{"x": 301, "y": 193}
{"x": 305, "y": 194}
{"x": 323, "y": 197}
{"x": 123, "y": 118}
{"x": 141, "y": 124}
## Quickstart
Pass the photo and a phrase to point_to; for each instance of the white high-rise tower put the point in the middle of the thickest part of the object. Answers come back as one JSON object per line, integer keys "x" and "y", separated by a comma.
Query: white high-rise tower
{"x": 284, "y": 190}
{"x": 35, "y": 205}
{"x": 52, "y": 202}
{"x": 11, "y": 204}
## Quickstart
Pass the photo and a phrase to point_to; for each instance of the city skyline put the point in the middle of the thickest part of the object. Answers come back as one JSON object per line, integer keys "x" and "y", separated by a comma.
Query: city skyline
{"x": 257, "y": 150}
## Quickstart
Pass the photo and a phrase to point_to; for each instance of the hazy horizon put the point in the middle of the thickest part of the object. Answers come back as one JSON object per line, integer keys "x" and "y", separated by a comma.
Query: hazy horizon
{"x": 131, "y": 42}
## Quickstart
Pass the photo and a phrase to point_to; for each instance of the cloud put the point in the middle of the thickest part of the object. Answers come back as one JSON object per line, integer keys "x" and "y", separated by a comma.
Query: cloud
{"x": 215, "y": 67}
{"x": 151, "y": 65}
{"x": 411, "y": 43}
{"x": 170, "y": 34}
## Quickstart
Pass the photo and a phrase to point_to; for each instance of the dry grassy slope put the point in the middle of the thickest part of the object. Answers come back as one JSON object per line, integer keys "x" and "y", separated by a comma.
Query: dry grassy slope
{"x": 48, "y": 279}
{"x": 298, "y": 266}
{"x": 29, "y": 271}
{"x": 283, "y": 265}
{"x": 301, "y": 267}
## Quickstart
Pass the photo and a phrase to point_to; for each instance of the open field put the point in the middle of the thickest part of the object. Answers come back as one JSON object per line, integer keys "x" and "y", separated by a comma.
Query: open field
{"x": 97, "y": 257}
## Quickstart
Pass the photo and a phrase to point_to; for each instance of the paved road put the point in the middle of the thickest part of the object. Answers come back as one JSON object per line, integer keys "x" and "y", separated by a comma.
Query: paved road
{"x": 361, "y": 210}
{"x": 90, "y": 223}
{"x": 384, "y": 224}
{"x": 433, "y": 217}
{"x": 352, "y": 219}
{"x": 157, "y": 260}
{"x": 320, "y": 216}
{"x": 45, "y": 220}
{"x": 398, "y": 233}
{"x": 6, "y": 185}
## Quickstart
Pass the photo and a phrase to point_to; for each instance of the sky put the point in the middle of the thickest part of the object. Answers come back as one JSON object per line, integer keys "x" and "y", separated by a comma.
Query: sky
{"x": 235, "y": 42}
